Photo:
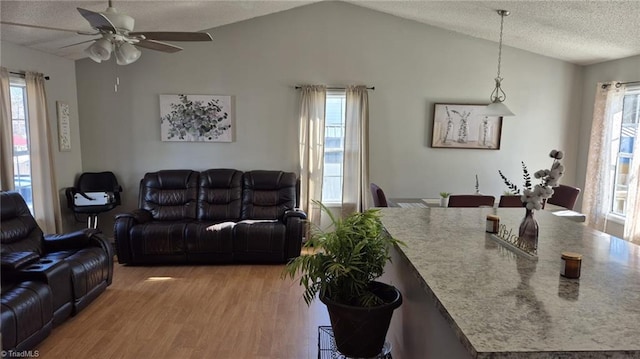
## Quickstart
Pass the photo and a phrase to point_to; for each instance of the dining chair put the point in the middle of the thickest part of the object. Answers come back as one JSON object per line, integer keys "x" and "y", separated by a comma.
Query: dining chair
{"x": 470, "y": 200}
{"x": 379, "y": 199}
{"x": 510, "y": 201}
{"x": 564, "y": 196}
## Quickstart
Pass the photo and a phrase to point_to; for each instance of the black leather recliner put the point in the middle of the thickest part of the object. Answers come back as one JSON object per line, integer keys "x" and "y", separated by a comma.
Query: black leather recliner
{"x": 214, "y": 216}
{"x": 45, "y": 278}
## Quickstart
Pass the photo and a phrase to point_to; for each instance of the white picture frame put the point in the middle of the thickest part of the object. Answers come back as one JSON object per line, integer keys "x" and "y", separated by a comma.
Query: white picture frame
{"x": 464, "y": 126}
{"x": 64, "y": 126}
{"x": 196, "y": 118}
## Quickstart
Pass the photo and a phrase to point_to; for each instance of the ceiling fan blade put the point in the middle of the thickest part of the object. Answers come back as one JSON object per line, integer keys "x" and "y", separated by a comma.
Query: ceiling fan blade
{"x": 45, "y": 27}
{"x": 77, "y": 43}
{"x": 173, "y": 35}
{"x": 158, "y": 46}
{"x": 97, "y": 20}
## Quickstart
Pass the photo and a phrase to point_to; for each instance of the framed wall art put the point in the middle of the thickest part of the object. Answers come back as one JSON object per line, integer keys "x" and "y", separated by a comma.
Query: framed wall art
{"x": 464, "y": 126}
{"x": 64, "y": 127}
{"x": 196, "y": 118}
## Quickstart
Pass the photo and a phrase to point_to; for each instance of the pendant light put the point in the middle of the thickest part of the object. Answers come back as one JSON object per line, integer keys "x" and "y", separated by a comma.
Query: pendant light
{"x": 497, "y": 107}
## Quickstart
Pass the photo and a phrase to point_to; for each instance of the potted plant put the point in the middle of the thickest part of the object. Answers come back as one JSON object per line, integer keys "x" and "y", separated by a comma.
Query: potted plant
{"x": 342, "y": 270}
{"x": 444, "y": 198}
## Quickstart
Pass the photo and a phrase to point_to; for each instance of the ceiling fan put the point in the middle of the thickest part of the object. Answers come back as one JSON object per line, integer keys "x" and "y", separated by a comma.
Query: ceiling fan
{"x": 116, "y": 35}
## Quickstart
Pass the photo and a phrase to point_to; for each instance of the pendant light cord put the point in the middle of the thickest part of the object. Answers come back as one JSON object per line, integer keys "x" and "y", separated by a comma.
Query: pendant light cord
{"x": 500, "y": 44}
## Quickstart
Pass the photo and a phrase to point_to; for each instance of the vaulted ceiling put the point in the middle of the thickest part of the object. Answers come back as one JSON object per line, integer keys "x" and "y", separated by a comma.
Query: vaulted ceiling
{"x": 581, "y": 32}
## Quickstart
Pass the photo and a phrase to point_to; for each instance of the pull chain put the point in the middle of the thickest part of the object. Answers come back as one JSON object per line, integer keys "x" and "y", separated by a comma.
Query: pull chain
{"x": 115, "y": 86}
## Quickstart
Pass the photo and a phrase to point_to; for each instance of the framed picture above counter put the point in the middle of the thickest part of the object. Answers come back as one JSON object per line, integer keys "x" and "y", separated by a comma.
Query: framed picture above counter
{"x": 464, "y": 126}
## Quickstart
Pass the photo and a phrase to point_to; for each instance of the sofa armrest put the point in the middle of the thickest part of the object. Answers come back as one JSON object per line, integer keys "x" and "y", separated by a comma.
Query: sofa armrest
{"x": 294, "y": 213}
{"x": 72, "y": 240}
{"x": 17, "y": 260}
{"x": 296, "y": 227}
{"x": 122, "y": 232}
{"x": 99, "y": 240}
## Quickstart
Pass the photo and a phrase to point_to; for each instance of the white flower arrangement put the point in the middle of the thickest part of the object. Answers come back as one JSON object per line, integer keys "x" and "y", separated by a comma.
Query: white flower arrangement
{"x": 534, "y": 198}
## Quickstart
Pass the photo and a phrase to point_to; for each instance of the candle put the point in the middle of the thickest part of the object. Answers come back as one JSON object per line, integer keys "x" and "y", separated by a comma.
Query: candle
{"x": 571, "y": 263}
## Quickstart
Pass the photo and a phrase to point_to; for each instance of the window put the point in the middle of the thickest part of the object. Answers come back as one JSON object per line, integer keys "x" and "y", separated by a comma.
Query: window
{"x": 625, "y": 129}
{"x": 333, "y": 147}
{"x": 21, "y": 152}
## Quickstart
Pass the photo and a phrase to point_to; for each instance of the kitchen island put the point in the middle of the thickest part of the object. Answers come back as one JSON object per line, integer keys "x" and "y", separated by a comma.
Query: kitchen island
{"x": 467, "y": 296}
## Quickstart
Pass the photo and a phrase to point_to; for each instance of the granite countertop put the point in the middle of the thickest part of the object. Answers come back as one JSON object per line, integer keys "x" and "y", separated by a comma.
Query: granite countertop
{"x": 502, "y": 305}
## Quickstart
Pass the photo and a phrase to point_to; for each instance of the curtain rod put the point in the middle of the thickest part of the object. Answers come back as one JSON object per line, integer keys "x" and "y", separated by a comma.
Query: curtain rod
{"x": 22, "y": 73}
{"x": 618, "y": 84}
{"x": 338, "y": 88}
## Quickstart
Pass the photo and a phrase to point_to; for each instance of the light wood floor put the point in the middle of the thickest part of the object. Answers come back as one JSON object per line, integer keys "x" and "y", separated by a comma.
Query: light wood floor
{"x": 218, "y": 312}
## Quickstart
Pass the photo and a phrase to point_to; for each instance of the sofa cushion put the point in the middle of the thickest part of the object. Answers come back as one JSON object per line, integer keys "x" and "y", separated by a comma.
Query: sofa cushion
{"x": 27, "y": 314}
{"x": 259, "y": 241}
{"x": 158, "y": 238}
{"x": 220, "y": 195}
{"x": 170, "y": 195}
{"x": 209, "y": 245}
{"x": 268, "y": 194}
{"x": 89, "y": 268}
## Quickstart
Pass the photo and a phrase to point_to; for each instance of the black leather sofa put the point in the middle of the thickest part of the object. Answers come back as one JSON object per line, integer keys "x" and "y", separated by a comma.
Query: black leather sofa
{"x": 45, "y": 278}
{"x": 213, "y": 216}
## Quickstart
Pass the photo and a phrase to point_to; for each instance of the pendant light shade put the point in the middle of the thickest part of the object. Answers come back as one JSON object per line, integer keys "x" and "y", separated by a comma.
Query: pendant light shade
{"x": 497, "y": 107}
{"x": 126, "y": 54}
{"x": 99, "y": 50}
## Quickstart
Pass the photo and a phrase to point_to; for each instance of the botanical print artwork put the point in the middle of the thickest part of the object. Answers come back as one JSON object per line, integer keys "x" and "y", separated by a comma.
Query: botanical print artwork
{"x": 464, "y": 126}
{"x": 205, "y": 118}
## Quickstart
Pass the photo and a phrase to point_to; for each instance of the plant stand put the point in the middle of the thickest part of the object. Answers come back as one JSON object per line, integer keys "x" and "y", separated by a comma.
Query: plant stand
{"x": 327, "y": 346}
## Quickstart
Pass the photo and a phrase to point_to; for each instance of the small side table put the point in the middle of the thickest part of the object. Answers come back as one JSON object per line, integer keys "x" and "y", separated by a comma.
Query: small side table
{"x": 327, "y": 346}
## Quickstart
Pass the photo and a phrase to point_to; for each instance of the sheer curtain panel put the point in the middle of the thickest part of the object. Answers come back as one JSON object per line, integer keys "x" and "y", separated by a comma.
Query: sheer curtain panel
{"x": 355, "y": 185}
{"x": 6, "y": 133}
{"x": 311, "y": 148}
{"x": 632, "y": 222}
{"x": 597, "y": 193}
{"x": 46, "y": 201}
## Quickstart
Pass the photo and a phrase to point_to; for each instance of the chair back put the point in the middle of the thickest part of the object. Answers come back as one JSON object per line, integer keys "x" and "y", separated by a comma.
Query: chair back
{"x": 470, "y": 200}
{"x": 267, "y": 195}
{"x": 379, "y": 199}
{"x": 94, "y": 192}
{"x": 170, "y": 194}
{"x": 19, "y": 231}
{"x": 564, "y": 196}
{"x": 510, "y": 201}
{"x": 98, "y": 182}
{"x": 220, "y": 195}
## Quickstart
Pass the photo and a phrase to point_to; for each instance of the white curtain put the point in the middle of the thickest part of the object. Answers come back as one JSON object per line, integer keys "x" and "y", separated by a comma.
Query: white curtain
{"x": 6, "y": 133}
{"x": 597, "y": 193}
{"x": 46, "y": 202}
{"x": 632, "y": 221}
{"x": 355, "y": 184}
{"x": 311, "y": 148}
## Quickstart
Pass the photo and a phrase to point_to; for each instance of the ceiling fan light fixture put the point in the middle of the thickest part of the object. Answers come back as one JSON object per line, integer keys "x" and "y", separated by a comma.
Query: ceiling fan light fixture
{"x": 126, "y": 54}
{"x": 99, "y": 50}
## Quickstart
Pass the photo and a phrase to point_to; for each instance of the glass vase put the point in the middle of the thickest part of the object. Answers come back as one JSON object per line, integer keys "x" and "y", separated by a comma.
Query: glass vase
{"x": 528, "y": 232}
{"x": 484, "y": 133}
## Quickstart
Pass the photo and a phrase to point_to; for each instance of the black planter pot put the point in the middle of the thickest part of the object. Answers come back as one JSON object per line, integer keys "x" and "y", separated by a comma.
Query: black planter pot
{"x": 360, "y": 332}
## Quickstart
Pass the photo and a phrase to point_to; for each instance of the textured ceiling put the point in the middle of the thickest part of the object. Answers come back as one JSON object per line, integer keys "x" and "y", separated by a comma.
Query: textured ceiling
{"x": 582, "y": 32}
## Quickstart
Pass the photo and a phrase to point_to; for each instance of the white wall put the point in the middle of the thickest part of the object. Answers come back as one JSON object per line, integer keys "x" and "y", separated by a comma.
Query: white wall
{"x": 60, "y": 87}
{"x": 624, "y": 70}
{"x": 259, "y": 61}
